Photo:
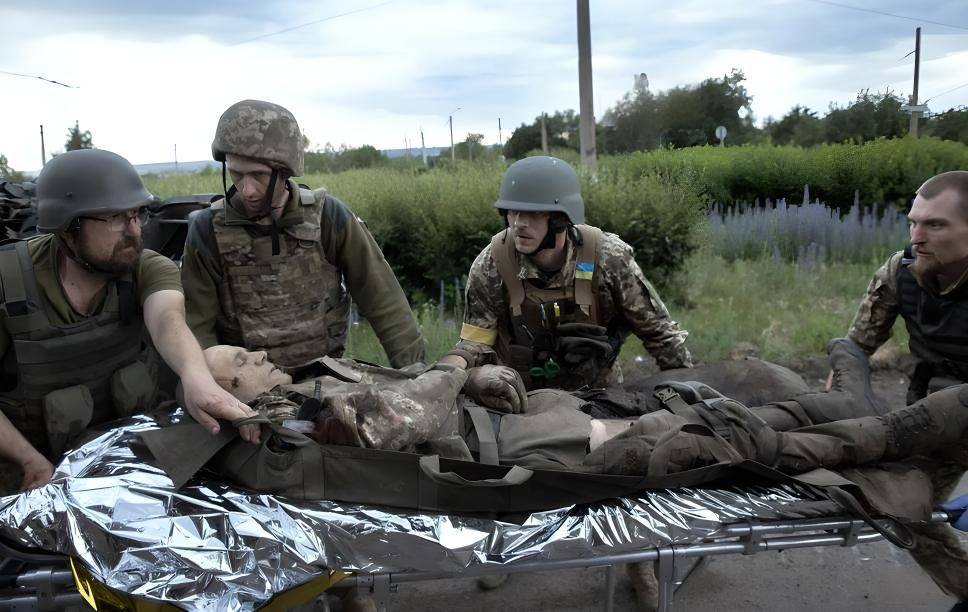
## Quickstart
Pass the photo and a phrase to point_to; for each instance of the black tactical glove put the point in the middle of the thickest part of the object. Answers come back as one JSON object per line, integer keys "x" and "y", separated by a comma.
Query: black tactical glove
{"x": 579, "y": 342}
{"x": 497, "y": 387}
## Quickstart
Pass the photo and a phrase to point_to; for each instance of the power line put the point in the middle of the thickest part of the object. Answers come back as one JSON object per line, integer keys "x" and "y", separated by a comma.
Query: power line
{"x": 886, "y": 14}
{"x": 34, "y": 76}
{"x": 309, "y": 23}
{"x": 945, "y": 92}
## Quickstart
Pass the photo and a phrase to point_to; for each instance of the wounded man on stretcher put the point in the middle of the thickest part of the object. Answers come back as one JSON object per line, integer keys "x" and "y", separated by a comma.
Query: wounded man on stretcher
{"x": 368, "y": 407}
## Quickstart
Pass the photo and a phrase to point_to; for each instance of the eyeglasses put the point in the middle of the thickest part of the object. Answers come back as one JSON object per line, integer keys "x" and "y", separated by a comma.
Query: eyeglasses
{"x": 119, "y": 221}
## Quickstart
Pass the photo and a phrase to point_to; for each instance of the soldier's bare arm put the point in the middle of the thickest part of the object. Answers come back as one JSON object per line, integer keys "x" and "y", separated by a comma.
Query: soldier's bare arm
{"x": 374, "y": 287}
{"x": 14, "y": 447}
{"x": 204, "y": 399}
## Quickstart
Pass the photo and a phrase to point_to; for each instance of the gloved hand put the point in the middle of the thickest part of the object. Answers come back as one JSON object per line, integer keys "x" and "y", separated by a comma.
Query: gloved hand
{"x": 579, "y": 342}
{"x": 959, "y": 503}
{"x": 497, "y": 387}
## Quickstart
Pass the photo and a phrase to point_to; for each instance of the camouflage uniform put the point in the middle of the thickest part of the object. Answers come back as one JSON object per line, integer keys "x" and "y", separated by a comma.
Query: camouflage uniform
{"x": 938, "y": 550}
{"x": 627, "y": 302}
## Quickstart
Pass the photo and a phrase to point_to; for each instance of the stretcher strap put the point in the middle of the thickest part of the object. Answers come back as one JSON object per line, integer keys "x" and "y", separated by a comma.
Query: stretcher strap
{"x": 487, "y": 441}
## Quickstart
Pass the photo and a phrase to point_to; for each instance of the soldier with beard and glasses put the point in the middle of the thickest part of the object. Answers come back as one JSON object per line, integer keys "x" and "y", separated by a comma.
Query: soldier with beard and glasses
{"x": 75, "y": 304}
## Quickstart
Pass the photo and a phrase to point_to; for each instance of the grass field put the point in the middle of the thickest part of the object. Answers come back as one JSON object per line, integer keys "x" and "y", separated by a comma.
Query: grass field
{"x": 775, "y": 309}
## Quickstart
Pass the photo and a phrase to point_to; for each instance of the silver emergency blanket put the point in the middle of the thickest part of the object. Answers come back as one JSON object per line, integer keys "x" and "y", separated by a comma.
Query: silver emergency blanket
{"x": 212, "y": 546}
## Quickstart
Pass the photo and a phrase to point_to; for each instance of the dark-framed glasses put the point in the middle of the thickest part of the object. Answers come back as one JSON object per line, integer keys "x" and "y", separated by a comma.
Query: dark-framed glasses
{"x": 119, "y": 221}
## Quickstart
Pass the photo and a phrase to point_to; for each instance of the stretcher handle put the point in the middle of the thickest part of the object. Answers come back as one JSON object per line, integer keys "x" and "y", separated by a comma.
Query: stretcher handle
{"x": 430, "y": 465}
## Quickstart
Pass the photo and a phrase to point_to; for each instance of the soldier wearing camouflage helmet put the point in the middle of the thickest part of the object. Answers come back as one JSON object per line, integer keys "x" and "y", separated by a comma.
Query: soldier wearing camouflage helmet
{"x": 75, "y": 305}
{"x": 273, "y": 264}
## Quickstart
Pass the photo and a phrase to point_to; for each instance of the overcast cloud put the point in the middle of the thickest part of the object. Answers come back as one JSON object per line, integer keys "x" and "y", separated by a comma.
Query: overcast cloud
{"x": 151, "y": 75}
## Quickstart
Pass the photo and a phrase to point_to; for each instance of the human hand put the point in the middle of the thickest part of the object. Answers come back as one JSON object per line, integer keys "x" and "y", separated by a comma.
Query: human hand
{"x": 206, "y": 402}
{"x": 497, "y": 387}
{"x": 37, "y": 472}
{"x": 959, "y": 508}
{"x": 579, "y": 342}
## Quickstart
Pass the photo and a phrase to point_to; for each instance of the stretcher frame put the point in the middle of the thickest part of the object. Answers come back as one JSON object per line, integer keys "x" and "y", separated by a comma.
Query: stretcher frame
{"x": 48, "y": 583}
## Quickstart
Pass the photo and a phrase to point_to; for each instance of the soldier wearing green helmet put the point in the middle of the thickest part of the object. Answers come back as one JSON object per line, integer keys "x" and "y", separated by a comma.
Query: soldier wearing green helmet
{"x": 273, "y": 265}
{"x": 554, "y": 298}
{"x": 76, "y": 302}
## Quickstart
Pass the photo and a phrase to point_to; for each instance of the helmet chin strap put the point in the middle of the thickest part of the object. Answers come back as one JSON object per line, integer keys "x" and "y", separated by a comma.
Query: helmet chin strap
{"x": 72, "y": 254}
{"x": 555, "y": 227}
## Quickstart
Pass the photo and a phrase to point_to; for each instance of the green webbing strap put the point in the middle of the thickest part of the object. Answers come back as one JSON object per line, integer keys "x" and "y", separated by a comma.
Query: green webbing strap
{"x": 673, "y": 402}
{"x": 506, "y": 260}
{"x": 588, "y": 253}
{"x": 487, "y": 441}
{"x": 13, "y": 279}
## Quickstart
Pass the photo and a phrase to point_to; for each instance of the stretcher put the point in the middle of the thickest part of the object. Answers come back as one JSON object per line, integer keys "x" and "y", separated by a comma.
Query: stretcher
{"x": 117, "y": 535}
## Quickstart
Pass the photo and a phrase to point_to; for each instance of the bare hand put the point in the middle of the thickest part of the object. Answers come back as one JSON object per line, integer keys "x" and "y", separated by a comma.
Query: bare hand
{"x": 37, "y": 472}
{"x": 206, "y": 402}
{"x": 497, "y": 387}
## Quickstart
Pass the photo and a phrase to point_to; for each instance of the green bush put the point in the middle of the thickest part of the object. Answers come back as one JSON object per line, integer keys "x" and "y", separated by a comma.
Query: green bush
{"x": 882, "y": 171}
{"x": 431, "y": 224}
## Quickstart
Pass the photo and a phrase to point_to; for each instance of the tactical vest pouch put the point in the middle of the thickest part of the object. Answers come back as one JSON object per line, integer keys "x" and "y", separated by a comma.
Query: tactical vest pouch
{"x": 132, "y": 389}
{"x": 67, "y": 413}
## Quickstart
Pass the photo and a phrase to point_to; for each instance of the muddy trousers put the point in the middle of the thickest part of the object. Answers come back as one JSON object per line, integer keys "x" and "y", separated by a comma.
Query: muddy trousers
{"x": 934, "y": 424}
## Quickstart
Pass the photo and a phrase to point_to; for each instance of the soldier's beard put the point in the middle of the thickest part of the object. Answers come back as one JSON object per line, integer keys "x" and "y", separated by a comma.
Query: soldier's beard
{"x": 123, "y": 259}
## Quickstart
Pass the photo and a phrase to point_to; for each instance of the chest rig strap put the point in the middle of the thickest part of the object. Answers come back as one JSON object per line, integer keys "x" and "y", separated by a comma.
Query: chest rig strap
{"x": 586, "y": 275}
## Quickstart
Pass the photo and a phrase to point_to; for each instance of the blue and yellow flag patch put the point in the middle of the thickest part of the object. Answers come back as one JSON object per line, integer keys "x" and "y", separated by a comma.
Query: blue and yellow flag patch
{"x": 584, "y": 270}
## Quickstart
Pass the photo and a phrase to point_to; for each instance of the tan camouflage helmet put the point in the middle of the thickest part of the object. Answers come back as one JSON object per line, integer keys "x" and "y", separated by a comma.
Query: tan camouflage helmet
{"x": 263, "y": 131}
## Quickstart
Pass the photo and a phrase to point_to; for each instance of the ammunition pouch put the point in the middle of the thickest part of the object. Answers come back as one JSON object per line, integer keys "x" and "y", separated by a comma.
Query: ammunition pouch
{"x": 67, "y": 413}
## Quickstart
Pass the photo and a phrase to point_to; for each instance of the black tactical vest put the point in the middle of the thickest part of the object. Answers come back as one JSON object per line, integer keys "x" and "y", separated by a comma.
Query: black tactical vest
{"x": 55, "y": 357}
{"x": 937, "y": 326}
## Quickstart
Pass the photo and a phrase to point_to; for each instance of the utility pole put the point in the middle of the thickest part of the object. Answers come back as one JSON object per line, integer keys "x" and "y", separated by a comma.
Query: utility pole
{"x": 450, "y": 120}
{"x": 43, "y": 149}
{"x": 176, "y": 157}
{"x": 916, "y": 114}
{"x": 544, "y": 135}
{"x": 500, "y": 139}
{"x": 423, "y": 148}
{"x": 586, "y": 130}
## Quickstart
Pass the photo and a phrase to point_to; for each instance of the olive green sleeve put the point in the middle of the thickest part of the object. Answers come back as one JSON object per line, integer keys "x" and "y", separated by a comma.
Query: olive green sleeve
{"x": 201, "y": 273}
{"x": 156, "y": 273}
{"x": 372, "y": 284}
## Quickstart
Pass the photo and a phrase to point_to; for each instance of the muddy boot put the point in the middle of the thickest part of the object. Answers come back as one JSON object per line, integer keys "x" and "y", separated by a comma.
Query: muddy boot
{"x": 491, "y": 581}
{"x": 935, "y": 424}
{"x": 644, "y": 585}
{"x": 850, "y": 395}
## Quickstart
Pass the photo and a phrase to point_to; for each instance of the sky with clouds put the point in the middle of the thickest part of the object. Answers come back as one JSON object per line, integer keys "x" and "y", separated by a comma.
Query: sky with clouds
{"x": 151, "y": 75}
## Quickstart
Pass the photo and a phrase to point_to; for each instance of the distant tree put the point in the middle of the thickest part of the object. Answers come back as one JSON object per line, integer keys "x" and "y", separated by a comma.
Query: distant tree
{"x": 800, "y": 126}
{"x": 868, "y": 117}
{"x": 952, "y": 124}
{"x": 680, "y": 117}
{"x": 9, "y": 174}
{"x": 76, "y": 139}
{"x": 562, "y": 128}
{"x": 345, "y": 158}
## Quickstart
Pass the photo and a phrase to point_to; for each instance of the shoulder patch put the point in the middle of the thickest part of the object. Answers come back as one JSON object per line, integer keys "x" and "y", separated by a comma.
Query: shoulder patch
{"x": 336, "y": 214}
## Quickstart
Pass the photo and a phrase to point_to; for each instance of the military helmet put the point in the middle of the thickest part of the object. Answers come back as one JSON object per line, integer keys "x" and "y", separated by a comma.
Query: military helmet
{"x": 86, "y": 182}
{"x": 263, "y": 131}
{"x": 542, "y": 184}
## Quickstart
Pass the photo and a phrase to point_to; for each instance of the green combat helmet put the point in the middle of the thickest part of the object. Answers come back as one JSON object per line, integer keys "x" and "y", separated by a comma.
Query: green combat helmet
{"x": 263, "y": 131}
{"x": 542, "y": 184}
{"x": 86, "y": 182}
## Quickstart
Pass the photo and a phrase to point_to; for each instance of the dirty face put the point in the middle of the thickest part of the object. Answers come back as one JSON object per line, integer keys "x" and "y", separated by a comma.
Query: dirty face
{"x": 939, "y": 231}
{"x": 244, "y": 374}
{"x": 251, "y": 179}
{"x": 528, "y": 229}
